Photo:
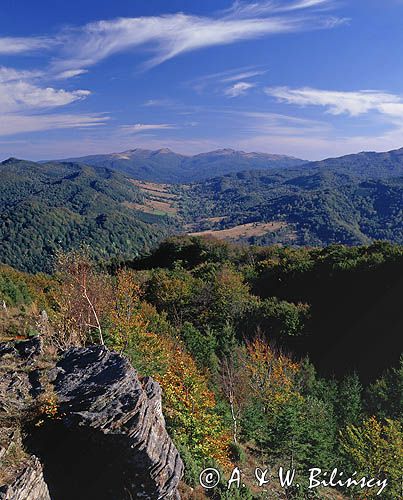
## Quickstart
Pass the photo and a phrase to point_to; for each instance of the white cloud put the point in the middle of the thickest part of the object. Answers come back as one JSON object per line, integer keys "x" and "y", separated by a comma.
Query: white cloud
{"x": 16, "y": 123}
{"x": 164, "y": 103}
{"x": 307, "y": 4}
{"x": 166, "y": 36}
{"x": 242, "y": 76}
{"x": 70, "y": 73}
{"x": 318, "y": 139}
{"x": 338, "y": 102}
{"x": 21, "y": 96}
{"x": 11, "y": 75}
{"x": 170, "y": 35}
{"x": 218, "y": 82}
{"x": 238, "y": 89}
{"x": 242, "y": 8}
{"x": 228, "y": 76}
{"x": 23, "y": 93}
{"x": 144, "y": 127}
{"x": 19, "y": 45}
{"x": 18, "y": 92}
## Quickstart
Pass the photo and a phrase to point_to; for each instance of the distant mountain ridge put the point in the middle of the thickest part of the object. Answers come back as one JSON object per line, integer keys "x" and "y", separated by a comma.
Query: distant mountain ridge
{"x": 367, "y": 164}
{"x": 354, "y": 199}
{"x": 164, "y": 165}
{"x": 53, "y": 206}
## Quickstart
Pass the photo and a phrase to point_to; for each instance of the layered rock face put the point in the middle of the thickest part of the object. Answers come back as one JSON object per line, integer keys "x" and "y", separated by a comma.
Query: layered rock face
{"x": 106, "y": 438}
{"x": 28, "y": 484}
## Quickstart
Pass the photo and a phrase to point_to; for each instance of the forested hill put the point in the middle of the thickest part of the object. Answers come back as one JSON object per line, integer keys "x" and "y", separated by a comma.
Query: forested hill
{"x": 353, "y": 294}
{"x": 164, "y": 165}
{"x": 366, "y": 165}
{"x": 45, "y": 208}
{"x": 319, "y": 204}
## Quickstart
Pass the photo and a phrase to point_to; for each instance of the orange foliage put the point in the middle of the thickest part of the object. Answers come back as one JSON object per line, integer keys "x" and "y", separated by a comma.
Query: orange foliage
{"x": 272, "y": 375}
{"x": 188, "y": 403}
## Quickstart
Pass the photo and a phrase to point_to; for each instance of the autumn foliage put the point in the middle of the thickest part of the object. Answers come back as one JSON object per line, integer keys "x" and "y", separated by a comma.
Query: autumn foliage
{"x": 271, "y": 375}
{"x": 189, "y": 405}
{"x": 213, "y": 324}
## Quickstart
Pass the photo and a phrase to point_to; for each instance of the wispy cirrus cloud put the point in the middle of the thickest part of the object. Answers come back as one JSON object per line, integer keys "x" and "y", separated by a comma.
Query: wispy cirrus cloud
{"x": 20, "y": 45}
{"x": 353, "y": 103}
{"x": 12, "y": 75}
{"x": 70, "y": 73}
{"x": 72, "y": 51}
{"x": 138, "y": 128}
{"x": 243, "y": 76}
{"x": 221, "y": 78}
{"x": 166, "y": 103}
{"x": 376, "y": 118}
{"x": 241, "y": 8}
{"x": 168, "y": 36}
{"x": 18, "y": 123}
{"x": 238, "y": 89}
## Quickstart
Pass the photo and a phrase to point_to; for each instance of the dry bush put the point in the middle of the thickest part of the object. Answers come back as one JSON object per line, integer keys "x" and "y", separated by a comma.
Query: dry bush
{"x": 84, "y": 299}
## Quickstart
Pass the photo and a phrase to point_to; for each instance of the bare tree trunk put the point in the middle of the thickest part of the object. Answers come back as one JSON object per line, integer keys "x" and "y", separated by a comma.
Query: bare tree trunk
{"x": 98, "y": 325}
{"x": 234, "y": 419}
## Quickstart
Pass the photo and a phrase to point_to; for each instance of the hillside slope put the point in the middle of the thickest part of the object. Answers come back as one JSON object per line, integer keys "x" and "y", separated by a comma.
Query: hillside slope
{"x": 365, "y": 165}
{"x": 312, "y": 205}
{"x": 45, "y": 208}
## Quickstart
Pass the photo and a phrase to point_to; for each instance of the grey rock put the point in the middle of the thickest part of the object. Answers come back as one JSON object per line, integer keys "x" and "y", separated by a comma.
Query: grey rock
{"x": 29, "y": 484}
{"x": 109, "y": 428}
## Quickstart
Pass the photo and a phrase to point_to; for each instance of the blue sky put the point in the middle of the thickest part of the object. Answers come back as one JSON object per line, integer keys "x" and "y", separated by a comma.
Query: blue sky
{"x": 309, "y": 78}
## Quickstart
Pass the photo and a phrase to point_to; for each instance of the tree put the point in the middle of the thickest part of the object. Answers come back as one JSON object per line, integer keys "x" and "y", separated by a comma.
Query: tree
{"x": 272, "y": 375}
{"x": 230, "y": 295}
{"x": 83, "y": 299}
{"x": 202, "y": 346}
{"x": 375, "y": 449}
{"x": 190, "y": 407}
{"x": 126, "y": 315}
{"x": 349, "y": 404}
{"x": 234, "y": 383}
{"x": 189, "y": 404}
{"x": 384, "y": 397}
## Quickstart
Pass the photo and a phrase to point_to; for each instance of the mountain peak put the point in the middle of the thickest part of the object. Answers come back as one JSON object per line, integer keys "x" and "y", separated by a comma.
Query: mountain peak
{"x": 164, "y": 151}
{"x": 12, "y": 159}
{"x": 225, "y": 151}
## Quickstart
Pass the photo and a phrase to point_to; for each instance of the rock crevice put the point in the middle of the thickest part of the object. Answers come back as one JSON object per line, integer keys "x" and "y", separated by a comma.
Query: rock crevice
{"x": 107, "y": 439}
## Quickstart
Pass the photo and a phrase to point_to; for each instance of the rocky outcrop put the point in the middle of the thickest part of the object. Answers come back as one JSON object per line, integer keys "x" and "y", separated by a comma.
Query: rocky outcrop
{"x": 105, "y": 435}
{"x": 28, "y": 484}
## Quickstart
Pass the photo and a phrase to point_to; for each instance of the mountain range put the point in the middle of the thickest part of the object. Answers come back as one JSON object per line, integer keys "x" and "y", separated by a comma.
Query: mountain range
{"x": 60, "y": 205}
{"x": 353, "y": 199}
{"x": 163, "y": 165}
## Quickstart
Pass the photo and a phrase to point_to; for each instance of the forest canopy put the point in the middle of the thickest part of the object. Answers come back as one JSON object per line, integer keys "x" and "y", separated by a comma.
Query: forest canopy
{"x": 235, "y": 336}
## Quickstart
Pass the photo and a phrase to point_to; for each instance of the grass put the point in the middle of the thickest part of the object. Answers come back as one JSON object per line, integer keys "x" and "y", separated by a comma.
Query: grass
{"x": 243, "y": 230}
